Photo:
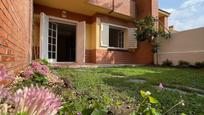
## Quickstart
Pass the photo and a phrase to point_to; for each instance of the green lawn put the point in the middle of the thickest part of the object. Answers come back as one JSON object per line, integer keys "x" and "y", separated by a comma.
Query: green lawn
{"x": 104, "y": 81}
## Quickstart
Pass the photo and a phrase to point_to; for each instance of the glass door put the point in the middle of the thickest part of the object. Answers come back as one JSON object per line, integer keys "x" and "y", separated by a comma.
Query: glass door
{"x": 52, "y": 42}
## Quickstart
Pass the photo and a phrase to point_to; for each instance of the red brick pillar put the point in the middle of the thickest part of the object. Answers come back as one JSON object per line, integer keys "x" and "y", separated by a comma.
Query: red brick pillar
{"x": 144, "y": 54}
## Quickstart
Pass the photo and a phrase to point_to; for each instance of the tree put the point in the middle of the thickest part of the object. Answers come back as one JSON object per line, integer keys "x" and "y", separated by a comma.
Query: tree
{"x": 147, "y": 29}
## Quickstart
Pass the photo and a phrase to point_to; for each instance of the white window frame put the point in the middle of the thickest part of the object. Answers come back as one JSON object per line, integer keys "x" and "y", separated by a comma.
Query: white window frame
{"x": 56, "y": 39}
{"x": 119, "y": 27}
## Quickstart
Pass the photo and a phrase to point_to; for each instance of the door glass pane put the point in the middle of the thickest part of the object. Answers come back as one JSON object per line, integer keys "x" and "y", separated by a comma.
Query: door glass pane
{"x": 53, "y": 48}
{"x": 54, "y": 26}
{"x": 53, "y": 55}
{"x": 49, "y": 47}
{"x": 54, "y": 34}
{"x": 54, "y": 41}
{"x": 50, "y": 25}
{"x": 50, "y": 32}
{"x": 52, "y": 37}
{"x": 49, "y": 40}
{"x": 49, "y": 55}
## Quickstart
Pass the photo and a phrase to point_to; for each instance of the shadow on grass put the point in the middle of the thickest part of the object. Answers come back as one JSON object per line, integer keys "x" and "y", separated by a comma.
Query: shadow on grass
{"x": 153, "y": 76}
{"x": 168, "y": 76}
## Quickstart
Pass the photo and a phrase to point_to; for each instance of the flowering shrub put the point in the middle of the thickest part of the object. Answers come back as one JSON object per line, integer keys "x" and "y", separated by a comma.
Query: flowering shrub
{"x": 36, "y": 101}
{"x": 39, "y": 68}
{"x": 36, "y": 68}
{"x": 32, "y": 101}
{"x": 28, "y": 73}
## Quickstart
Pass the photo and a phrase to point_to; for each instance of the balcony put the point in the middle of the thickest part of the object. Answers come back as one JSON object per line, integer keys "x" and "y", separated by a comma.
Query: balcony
{"x": 124, "y": 7}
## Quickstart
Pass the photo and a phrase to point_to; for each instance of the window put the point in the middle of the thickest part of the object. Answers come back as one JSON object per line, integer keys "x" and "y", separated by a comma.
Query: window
{"x": 116, "y": 37}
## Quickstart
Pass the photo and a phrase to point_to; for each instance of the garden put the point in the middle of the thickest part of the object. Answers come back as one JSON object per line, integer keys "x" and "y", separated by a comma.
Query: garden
{"x": 144, "y": 90}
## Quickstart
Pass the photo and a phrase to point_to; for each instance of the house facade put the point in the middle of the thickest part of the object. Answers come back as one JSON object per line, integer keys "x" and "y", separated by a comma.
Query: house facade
{"x": 92, "y": 31}
{"x": 80, "y": 31}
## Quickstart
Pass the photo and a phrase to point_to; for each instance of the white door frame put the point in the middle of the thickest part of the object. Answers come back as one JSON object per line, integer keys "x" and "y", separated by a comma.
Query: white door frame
{"x": 69, "y": 22}
{"x": 56, "y": 40}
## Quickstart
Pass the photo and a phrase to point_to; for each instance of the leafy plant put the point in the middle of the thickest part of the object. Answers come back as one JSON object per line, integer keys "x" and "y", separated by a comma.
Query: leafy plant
{"x": 183, "y": 63}
{"x": 167, "y": 63}
{"x": 148, "y": 106}
{"x": 151, "y": 106}
{"x": 36, "y": 80}
{"x": 146, "y": 29}
{"x": 39, "y": 79}
{"x": 44, "y": 62}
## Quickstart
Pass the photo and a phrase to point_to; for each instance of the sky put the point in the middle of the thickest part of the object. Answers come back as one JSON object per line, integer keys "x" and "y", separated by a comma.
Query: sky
{"x": 185, "y": 14}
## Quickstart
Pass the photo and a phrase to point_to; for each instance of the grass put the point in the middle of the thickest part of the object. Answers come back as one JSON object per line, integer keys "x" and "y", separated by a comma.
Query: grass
{"x": 95, "y": 81}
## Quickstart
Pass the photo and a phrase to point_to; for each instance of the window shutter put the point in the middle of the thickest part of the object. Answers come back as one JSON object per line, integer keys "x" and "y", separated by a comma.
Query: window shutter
{"x": 81, "y": 39}
{"x": 132, "y": 41}
{"x": 44, "y": 20}
{"x": 104, "y": 35}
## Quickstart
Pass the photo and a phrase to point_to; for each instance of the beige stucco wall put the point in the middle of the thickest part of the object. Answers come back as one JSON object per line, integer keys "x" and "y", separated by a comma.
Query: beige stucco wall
{"x": 187, "y": 46}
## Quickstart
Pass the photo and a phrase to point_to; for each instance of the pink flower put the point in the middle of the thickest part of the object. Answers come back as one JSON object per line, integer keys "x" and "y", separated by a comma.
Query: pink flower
{"x": 36, "y": 101}
{"x": 28, "y": 73}
{"x": 35, "y": 64}
{"x": 161, "y": 86}
{"x": 4, "y": 75}
{"x": 39, "y": 68}
{"x": 4, "y": 93}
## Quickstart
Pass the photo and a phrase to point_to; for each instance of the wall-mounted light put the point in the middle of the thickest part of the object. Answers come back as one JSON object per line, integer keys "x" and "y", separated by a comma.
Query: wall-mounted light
{"x": 64, "y": 14}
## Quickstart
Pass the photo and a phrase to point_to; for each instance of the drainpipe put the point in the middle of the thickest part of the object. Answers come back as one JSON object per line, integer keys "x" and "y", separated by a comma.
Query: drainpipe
{"x": 113, "y": 7}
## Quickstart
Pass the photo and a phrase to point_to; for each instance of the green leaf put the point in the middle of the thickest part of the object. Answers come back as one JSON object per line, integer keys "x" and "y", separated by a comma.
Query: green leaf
{"x": 153, "y": 100}
{"x": 154, "y": 111}
{"x": 98, "y": 112}
{"x": 22, "y": 113}
{"x": 133, "y": 113}
{"x": 87, "y": 111}
{"x": 142, "y": 93}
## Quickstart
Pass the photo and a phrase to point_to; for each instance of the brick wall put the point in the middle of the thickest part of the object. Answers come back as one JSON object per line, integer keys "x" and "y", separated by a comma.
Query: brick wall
{"x": 104, "y": 56}
{"x": 144, "y": 54}
{"x": 15, "y": 34}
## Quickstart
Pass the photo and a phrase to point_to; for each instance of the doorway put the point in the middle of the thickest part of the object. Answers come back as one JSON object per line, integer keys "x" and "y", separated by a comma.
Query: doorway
{"x": 66, "y": 45}
{"x": 62, "y": 42}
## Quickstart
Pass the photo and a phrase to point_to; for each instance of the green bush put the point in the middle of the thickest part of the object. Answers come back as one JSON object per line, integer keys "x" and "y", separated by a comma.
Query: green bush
{"x": 199, "y": 64}
{"x": 44, "y": 62}
{"x": 36, "y": 80}
{"x": 183, "y": 63}
{"x": 167, "y": 63}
